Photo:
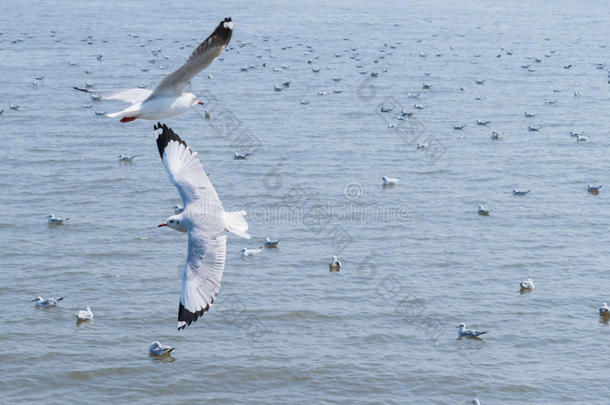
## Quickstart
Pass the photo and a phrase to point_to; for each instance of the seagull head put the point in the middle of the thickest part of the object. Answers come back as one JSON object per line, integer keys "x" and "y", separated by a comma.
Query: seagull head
{"x": 176, "y": 222}
{"x": 154, "y": 346}
{"x": 461, "y": 326}
{"x": 193, "y": 99}
{"x": 37, "y": 299}
{"x": 384, "y": 178}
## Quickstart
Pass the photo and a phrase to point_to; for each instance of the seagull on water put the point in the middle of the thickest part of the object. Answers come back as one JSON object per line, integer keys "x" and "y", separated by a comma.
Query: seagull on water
{"x": 390, "y": 181}
{"x": 250, "y": 252}
{"x": 84, "y": 315}
{"x": 520, "y": 193}
{"x": 53, "y": 220}
{"x": 527, "y": 285}
{"x": 271, "y": 243}
{"x": 335, "y": 264}
{"x": 496, "y": 135}
{"x": 126, "y": 158}
{"x": 468, "y": 333}
{"x": 483, "y": 211}
{"x": 241, "y": 156}
{"x": 169, "y": 98}
{"x": 593, "y": 189}
{"x": 205, "y": 221}
{"x": 604, "y": 310}
{"x": 46, "y": 302}
{"x": 476, "y": 402}
{"x": 157, "y": 349}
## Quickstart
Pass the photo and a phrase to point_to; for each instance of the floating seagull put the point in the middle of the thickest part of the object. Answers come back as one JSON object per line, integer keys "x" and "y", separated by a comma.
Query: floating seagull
{"x": 520, "y": 193}
{"x": 604, "y": 310}
{"x": 46, "y": 302}
{"x": 527, "y": 285}
{"x": 468, "y": 333}
{"x": 168, "y": 98}
{"x": 334, "y": 265}
{"x": 14, "y": 106}
{"x": 277, "y": 88}
{"x": 53, "y": 220}
{"x": 593, "y": 189}
{"x": 385, "y": 109}
{"x": 205, "y": 220}
{"x": 250, "y": 252}
{"x": 422, "y": 146}
{"x": 480, "y": 81}
{"x": 426, "y": 86}
{"x": 389, "y": 181}
{"x": 479, "y": 122}
{"x": 271, "y": 243}
{"x": 241, "y": 156}
{"x": 483, "y": 211}
{"x": 496, "y": 135}
{"x": 126, "y": 158}
{"x": 529, "y": 114}
{"x": 178, "y": 209}
{"x": 458, "y": 127}
{"x": 581, "y": 138}
{"x": 157, "y": 349}
{"x": 84, "y": 315}
{"x": 533, "y": 129}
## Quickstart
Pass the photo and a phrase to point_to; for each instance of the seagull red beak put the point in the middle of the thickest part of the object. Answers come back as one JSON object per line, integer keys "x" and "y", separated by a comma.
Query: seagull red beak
{"x": 161, "y": 224}
{"x": 200, "y": 102}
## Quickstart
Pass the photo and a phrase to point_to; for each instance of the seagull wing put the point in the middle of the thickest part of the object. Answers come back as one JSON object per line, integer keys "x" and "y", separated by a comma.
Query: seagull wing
{"x": 202, "y": 274}
{"x": 132, "y": 96}
{"x": 201, "y": 57}
{"x": 184, "y": 168}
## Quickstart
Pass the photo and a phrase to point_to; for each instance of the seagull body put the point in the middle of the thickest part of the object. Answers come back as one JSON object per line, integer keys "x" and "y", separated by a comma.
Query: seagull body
{"x": 527, "y": 285}
{"x": 581, "y": 138}
{"x": 334, "y": 265}
{"x": 533, "y": 129}
{"x": 204, "y": 220}
{"x": 250, "y": 252}
{"x": 483, "y": 211}
{"x": 496, "y": 135}
{"x": 47, "y": 302}
{"x": 84, "y": 315}
{"x": 520, "y": 193}
{"x": 459, "y": 127}
{"x": 240, "y": 156}
{"x": 529, "y": 114}
{"x": 53, "y": 220}
{"x": 604, "y": 310}
{"x": 157, "y": 349}
{"x": 126, "y": 158}
{"x": 169, "y": 98}
{"x": 422, "y": 145}
{"x": 468, "y": 333}
{"x": 479, "y": 122}
{"x": 270, "y": 244}
{"x": 390, "y": 181}
{"x": 593, "y": 189}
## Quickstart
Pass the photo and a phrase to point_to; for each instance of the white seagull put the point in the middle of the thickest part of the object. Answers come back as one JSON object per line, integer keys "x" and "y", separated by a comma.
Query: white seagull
{"x": 126, "y": 158}
{"x": 520, "y": 193}
{"x": 84, "y": 315}
{"x": 483, "y": 211}
{"x": 250, "y": 252}
{"x": 157, "y": 349}
{"x": 527, "y": 285}
{"x": 468, "y": 333}
{"x": 53, "y": 220}
{"x": 593, "y": 189}
{"x": 335, "y": 264}
{"x": 604, "y": 310}
{"x": 389, "y": 181}
{"x": 169, "y": 98}
{"x": 270, "y": 244}
{"x": 47, "y": 302}
{"x": 205, "y": 220}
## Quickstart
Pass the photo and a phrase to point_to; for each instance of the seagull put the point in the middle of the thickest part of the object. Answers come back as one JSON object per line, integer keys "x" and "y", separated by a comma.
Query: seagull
{"x": 496, "y": 135}
{"x": 593, "y": 189}
{"x": 476, "y": 402}
{"x": 527, "y": 285}
{"x": 468, "y": 333}
{"x": 178, "y": 209}
{"x": 250, "y": 252}
{"x": 271, "y": 243}
{"x": 422, "y": 145}
{"x": 126, "y": 158}
{"x": 53, "y": 220}
{"x": 46, "y": 302}
{"x": 205, "y": 221}
{"x": 334, "y": 265}
{"x": 479, "y": 122}
{"x": 483, "y": 211}
{"x": 581, "y": 138}
{"x": 604, "y": 310}
{"x": 84, "y": 315}
{"x": 157, "y": 349}
{"x": 241, "y": 156}
{"x": 169, "y": 98}
{"x": 385, "y": 109}
{"x": 533, "y": 129}
{"x": 520, "y": 193}
{"x": 389, "y": 181}
{"x": 459, "y": 127}
{"x": 529, "y": 114}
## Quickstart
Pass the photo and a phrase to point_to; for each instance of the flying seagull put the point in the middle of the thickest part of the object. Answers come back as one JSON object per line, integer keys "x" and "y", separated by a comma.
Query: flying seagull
{"x": 169, "y": 98}
{"x": 205, "y": 221}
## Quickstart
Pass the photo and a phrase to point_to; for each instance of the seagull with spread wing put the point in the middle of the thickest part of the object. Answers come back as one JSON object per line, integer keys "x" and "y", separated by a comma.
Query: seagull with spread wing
{"x": 205, "y": 221}
{"x": 169, "y": 98}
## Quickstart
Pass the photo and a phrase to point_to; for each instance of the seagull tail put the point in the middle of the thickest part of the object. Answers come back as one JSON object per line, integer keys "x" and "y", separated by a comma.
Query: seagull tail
{"x": 236, "y": 223}
{"x": 60, "y": 298}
